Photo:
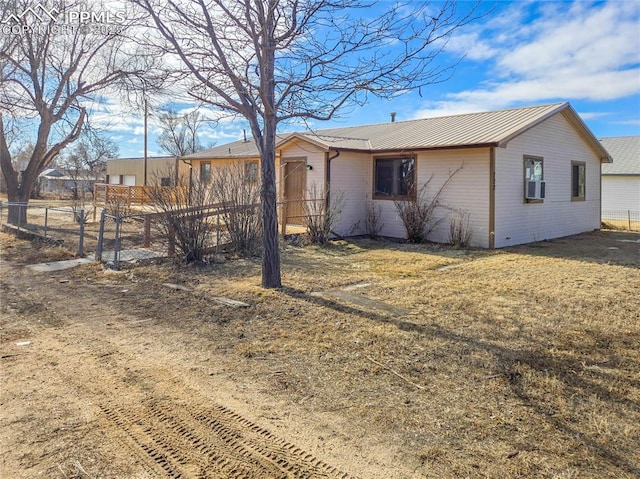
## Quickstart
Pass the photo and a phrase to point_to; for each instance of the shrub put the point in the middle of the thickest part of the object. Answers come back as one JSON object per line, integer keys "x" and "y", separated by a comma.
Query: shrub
{"x": 419, "y": 215}
{"x": 319, "y": 219}
{"x": 460, "y": 232}
{"x": 373, "y": 220}
{"x": 237, "y": 189}
{"x": 184, "y": 214}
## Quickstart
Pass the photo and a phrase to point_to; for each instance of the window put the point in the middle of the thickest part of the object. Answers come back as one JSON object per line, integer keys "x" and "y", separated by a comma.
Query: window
{"x": 394, "y": 178}
{"x": 251, "y": 172}
{"x": 578, "y": 180}
{"x": 205, "y": 171}
{"x": 534, "y": 187}
{"x": 165, "y": 181}
{"x": 533, "y": 168}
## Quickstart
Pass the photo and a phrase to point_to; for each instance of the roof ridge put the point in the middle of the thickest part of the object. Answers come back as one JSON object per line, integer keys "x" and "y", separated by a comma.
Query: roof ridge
{"x": 454, "y": 115}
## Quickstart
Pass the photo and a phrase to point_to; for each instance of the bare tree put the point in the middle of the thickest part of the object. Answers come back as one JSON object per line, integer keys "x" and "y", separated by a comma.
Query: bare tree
{"x": 47, "y": 77}
{"x": 179, "y": 134}
{"x": 238, "y": 191}
{"x": 87, "y": 159}
{"x": 272, "y": 61}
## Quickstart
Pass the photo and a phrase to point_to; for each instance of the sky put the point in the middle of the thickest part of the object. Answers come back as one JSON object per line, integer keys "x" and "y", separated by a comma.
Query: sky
{"x": 522, "y": 53}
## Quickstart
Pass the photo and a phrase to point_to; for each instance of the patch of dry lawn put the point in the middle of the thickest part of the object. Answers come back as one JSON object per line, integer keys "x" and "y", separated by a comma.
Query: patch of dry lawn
{"x": 522, "y": 362}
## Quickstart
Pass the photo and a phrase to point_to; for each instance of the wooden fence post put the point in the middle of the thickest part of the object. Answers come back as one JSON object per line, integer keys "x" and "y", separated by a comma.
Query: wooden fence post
{"x": 147, "y": 231}
{"x": 284, "y": 218}
{"x": 171, "y": 249}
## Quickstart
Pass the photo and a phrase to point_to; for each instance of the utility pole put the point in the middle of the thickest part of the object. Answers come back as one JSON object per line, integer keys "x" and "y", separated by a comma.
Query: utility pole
{"x": 146, "y": 114}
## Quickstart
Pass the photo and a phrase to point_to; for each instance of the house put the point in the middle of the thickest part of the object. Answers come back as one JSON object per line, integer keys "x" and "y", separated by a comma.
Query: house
{"x": 621, "y": 179}
{"x": 62, "y": 181}
{"x": 138, "y": 172}
{"x": 525, "y": 174}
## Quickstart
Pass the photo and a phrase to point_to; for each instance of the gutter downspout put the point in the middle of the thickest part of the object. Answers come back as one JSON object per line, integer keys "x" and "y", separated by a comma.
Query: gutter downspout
{"x": 492, "y": 198}
{"x": 190, "y": 163}
{"x": 328, "y": 176}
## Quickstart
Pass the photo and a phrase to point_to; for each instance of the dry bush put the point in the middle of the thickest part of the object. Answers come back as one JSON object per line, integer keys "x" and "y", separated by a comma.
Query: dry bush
{"x": 238, "y": 191}
{"x": 419, "y": 215}
{"x": 460, "y": 231}
{"x": 184, "y": 211}
{"x": 373, "y": 220}
{"x": 319, "y": 219}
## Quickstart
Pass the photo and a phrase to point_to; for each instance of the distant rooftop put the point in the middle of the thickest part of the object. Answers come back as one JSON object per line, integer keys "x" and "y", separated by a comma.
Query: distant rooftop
{"x": 149, "y": 158}
{"x": 625, "y": 151}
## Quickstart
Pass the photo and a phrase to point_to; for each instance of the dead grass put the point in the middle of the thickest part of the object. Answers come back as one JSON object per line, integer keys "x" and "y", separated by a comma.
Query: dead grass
{"x": 621, "y": 225}
{"x": 515, "y": 363}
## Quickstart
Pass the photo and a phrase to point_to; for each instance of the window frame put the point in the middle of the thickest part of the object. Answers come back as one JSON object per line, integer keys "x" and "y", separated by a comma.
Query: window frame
{"x": 525, "y": 160}
{"x": 411, "y": 193}
{"x": 249, "y": 176}
{"x": 201, "y": 177}
{"x": 579, "y": 197}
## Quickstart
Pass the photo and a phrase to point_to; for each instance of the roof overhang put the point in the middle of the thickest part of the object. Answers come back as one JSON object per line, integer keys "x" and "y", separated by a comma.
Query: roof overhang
{"x": 292, "y": 137}
{"x": 575, "y": 121}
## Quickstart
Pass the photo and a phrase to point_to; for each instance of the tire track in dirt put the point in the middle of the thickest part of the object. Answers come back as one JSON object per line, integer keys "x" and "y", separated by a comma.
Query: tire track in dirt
{"x": 213, "y": 442}
{"x": 149, "y": 412}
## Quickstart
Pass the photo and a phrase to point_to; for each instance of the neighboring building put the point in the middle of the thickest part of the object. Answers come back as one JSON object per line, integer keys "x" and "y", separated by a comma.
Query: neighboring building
{"x": 621, "y": 179}
{"x": 528, "y": 174}
{"x": 131, "y": 171}
{"x": 62, "y": 181}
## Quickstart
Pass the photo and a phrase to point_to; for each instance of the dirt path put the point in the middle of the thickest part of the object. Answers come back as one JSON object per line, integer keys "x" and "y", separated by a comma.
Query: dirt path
{"x": 87, "y": 391}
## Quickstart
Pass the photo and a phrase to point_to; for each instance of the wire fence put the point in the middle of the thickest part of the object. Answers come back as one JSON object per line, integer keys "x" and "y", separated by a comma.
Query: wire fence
{"x": 622, "y": 219}
{"x": 135, "y": 237}
{"x": 117, "y": 237}
{"x": 63, "y": 225}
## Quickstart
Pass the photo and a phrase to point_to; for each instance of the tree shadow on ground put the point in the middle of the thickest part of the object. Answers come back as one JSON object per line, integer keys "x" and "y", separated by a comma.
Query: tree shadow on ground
{"x": 571, "y": 372}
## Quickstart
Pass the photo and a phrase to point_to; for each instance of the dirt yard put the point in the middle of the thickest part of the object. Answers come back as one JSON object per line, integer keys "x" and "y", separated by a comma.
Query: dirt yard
{"x": 377, "y": 360}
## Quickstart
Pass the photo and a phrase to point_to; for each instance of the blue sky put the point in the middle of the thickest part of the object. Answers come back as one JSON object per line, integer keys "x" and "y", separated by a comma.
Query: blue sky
{"x": 523, "y": 53}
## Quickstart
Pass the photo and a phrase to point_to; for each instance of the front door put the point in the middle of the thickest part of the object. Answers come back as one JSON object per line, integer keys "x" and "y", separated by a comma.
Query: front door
{"x": 294, "y": 183}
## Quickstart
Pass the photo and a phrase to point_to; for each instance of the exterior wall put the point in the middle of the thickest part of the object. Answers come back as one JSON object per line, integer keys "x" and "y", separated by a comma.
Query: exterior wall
{"x": 351, "y": 180}
{"x": 620, "y": 193}
{"x": 352, "y": 174}
{"x": 519, "y": 222}
{"x": 314, "y": 157}
{"x": 468, "y": 191}
{"x": 156, "y": 168}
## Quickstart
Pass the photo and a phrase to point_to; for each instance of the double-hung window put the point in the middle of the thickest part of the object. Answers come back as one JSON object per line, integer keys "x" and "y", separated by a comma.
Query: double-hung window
{"x": 394, "y": 178}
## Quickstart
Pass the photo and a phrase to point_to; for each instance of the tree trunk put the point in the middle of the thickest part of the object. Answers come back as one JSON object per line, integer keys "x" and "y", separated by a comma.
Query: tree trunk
{"x": 271, "y": 277}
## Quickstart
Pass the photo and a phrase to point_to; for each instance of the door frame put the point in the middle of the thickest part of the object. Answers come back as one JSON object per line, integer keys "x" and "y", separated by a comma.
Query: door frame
{"x": 283, "y": 193}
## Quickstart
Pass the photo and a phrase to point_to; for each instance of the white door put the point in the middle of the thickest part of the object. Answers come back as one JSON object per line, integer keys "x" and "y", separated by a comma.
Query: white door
{"x": 129, "y": 180}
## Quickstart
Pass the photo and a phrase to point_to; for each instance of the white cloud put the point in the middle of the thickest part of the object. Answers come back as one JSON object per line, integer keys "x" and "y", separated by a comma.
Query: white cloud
{"x": 569, "y": 51}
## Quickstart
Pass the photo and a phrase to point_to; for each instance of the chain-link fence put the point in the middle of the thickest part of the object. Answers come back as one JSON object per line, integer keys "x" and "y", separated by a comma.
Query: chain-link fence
{"x": 63, "y": 225}
{"x": 622, "y": 219}
{"x": 134, "y": 237}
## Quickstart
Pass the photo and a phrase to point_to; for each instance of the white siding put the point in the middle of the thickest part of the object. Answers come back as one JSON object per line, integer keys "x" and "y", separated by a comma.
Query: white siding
{"x": 468, "y": 190}
{"x": 620, "y": 193}
{"x": 314, "y": 157}
{"x": 518, "y": 222}
{"x": 352, "y": 175}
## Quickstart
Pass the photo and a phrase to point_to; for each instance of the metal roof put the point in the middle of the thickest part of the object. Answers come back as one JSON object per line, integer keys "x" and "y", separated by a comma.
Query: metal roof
{"x": 625, "y": 151}
{"x": 492, "y": 128}
{"x": 236, "y": 149}
{"x": 149, "y": 158}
